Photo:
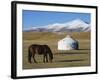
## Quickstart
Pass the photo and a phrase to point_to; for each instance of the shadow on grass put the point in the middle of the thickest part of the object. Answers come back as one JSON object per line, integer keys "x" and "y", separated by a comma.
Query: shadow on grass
{"x": 74, "y": 60}
{"x": 83, "y": 49}
{"x": 71, "y": 53}
{"x": 80, "y": 51}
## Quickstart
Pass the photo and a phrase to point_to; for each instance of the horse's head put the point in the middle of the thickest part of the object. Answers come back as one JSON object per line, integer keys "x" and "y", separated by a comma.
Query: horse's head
{"x": 50, "y": 56}
{"x": 49, "y": 52}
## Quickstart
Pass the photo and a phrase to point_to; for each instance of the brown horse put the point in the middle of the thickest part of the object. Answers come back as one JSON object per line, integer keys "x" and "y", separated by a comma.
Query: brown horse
{"x": 41, "y": 50}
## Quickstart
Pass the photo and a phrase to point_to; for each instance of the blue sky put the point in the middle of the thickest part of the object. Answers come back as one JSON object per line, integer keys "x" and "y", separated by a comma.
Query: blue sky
{"x": 41, "y": 18}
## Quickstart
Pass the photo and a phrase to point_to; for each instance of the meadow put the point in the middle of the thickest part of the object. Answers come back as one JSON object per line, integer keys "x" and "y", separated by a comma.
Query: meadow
{"x": 67, "y": 58}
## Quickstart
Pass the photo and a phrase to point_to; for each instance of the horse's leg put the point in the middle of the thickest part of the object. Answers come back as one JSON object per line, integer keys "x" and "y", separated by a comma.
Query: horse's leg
{"x": 46, "y": 58}
{"x": 34, "y": 58}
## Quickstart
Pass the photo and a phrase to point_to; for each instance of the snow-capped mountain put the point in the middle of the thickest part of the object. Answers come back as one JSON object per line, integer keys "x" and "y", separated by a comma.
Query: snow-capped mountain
{"x": 76, "y": 25}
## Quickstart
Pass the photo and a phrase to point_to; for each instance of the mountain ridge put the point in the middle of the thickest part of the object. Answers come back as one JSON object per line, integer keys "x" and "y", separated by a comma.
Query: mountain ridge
{"x": 76, "y": 25}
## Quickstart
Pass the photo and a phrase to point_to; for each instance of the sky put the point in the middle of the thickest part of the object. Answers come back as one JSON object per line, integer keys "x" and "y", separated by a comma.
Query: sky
{"x": 31, "y": 18}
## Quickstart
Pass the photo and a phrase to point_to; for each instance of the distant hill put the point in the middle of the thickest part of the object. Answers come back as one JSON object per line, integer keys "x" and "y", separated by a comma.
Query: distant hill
{"x": 48, "y": 36}
{"x": 76, "y": 25}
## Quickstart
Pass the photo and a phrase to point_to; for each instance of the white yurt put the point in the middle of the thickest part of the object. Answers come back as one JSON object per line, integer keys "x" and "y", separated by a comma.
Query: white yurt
{"x": 68, "y": 43}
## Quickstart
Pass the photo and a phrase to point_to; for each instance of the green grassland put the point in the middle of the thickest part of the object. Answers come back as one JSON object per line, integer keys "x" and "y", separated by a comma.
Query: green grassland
{"x": 68, "y": 58}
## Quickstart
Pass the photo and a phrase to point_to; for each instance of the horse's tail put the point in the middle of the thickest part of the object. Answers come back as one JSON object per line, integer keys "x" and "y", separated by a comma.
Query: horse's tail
{"x": 29, "y": 55}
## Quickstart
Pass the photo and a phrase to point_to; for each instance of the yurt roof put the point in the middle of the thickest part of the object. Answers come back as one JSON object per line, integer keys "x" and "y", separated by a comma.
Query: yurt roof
{"x": 68, "y": 39}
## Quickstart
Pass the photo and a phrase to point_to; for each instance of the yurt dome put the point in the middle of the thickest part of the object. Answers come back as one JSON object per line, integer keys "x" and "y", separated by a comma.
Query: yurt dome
{"x": 68, "y": 43}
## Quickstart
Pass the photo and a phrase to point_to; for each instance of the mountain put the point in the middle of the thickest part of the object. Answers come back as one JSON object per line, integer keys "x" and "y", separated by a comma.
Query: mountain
{"x": 76, "y": 25}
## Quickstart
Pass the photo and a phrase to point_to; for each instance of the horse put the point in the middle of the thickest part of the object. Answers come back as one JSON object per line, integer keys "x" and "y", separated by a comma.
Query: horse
{"x": 41, "y": 50}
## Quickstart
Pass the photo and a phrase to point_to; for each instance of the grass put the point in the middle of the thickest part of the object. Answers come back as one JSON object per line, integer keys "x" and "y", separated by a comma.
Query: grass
{"x": 71, "y": 58}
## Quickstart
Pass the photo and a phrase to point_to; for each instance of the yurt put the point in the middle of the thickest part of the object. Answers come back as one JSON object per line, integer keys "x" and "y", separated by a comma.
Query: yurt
{"x": 68, "y": 43}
